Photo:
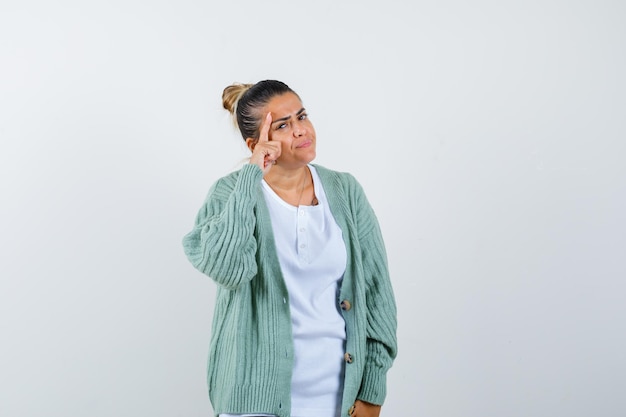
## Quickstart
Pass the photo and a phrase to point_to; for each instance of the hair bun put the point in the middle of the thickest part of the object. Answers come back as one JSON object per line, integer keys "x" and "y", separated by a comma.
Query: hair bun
{"x": 232, "y": 94}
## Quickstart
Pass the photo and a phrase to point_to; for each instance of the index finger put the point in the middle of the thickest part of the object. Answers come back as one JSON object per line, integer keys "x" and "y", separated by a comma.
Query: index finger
{"x": 265, "y": 128}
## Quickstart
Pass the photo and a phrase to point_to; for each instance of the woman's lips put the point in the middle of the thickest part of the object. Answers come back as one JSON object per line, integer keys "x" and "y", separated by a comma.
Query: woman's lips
{"x": 305, "y": 144}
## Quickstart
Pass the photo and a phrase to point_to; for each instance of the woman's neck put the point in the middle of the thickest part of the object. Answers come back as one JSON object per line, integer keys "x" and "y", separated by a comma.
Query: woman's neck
{"x": 295, "y": 187}
{"x": 287, "y": 179}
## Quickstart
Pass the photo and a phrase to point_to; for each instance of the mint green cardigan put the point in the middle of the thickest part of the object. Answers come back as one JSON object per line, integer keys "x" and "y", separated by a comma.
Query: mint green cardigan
{"x": 251, "y": 351}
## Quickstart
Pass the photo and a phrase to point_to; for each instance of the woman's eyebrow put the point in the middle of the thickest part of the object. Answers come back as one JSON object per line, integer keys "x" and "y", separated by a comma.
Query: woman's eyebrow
{"x": 283, "y": 119}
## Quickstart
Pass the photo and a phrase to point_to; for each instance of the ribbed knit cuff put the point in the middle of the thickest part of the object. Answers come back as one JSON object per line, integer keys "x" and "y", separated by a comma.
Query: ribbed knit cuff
{"x": 373, "y": 386}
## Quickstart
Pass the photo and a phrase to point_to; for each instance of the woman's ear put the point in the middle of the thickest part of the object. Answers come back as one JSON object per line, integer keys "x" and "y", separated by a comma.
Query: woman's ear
{"x": 251, "y": 143}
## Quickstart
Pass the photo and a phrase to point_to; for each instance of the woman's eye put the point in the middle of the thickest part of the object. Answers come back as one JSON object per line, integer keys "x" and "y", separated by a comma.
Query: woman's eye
{"x": 281, "y": 126}
{"x": 303, "y": 116}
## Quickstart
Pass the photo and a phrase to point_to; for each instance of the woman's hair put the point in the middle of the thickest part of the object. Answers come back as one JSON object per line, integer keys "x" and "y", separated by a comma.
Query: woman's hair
{"x": 244, "y": 102}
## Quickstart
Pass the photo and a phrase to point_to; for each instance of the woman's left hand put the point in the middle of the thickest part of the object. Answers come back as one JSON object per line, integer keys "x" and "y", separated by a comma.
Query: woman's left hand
{"x": 363, "y": 409}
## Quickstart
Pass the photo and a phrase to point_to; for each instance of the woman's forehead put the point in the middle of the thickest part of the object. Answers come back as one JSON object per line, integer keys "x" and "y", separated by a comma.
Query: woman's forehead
{"x": 284, "y": 104}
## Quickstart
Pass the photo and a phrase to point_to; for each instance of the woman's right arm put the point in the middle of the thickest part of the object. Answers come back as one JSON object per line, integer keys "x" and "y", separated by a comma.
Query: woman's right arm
{"x": 222, "y": 243}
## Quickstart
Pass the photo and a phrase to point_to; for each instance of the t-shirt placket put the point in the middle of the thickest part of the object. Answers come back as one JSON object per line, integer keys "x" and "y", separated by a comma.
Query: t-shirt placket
{"x": 302, "y": 240}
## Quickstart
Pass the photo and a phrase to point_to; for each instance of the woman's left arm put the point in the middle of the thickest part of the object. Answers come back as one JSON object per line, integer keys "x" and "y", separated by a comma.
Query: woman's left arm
{"x": 381, "y": 343}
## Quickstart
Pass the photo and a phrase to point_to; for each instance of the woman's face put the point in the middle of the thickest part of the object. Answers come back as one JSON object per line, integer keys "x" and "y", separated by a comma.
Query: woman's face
{"x": 292, "y": 128}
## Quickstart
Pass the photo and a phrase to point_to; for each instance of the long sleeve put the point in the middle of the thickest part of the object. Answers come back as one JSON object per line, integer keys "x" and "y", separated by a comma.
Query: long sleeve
{"x": 381, "y": 343}
{"x": 222, "y": 243}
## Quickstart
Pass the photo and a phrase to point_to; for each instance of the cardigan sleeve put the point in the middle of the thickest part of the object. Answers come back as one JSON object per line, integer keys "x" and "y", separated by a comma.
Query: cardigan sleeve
{"x": 222, "y": 244}
{"x": 381, "y": 342}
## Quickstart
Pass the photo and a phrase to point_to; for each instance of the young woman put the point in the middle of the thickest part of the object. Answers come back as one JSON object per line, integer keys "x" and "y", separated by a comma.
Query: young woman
{"x": 305, "y": 317}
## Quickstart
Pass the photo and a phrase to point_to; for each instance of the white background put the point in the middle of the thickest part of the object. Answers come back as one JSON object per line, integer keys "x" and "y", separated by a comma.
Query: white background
{"x": 488, "y": 135}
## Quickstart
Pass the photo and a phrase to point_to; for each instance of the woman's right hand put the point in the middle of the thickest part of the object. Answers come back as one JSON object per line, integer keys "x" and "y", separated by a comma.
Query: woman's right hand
{"x": 265, "y": 152}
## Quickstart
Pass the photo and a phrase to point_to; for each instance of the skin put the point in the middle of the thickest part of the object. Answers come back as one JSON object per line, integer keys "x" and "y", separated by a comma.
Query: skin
{"x": 363, "y": 409}
{"x": 285, "y": 146}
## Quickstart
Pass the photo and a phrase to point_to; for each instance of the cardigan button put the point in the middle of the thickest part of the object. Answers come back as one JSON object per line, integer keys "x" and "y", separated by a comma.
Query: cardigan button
{"x": 348, "y": 357}
{"x": 345, "y": 305}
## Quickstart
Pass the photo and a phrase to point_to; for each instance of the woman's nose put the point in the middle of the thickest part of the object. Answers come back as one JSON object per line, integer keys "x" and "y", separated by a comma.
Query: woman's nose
{"x": 299, "y": 130}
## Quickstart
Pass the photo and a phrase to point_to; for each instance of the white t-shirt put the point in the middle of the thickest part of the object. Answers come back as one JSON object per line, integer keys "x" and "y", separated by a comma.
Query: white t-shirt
{"x": 313, "y": 258}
